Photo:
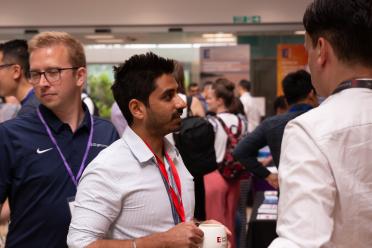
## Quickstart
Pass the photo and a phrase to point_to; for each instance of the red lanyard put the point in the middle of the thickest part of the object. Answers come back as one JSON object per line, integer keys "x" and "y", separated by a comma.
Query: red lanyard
{"x": 177, "y": 201}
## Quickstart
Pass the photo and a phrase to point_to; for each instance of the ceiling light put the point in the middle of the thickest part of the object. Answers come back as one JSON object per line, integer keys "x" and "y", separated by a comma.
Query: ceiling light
{"x": 174, "y": 45}
{"x": 99, "y": 36}
{"x": 198, "y": 45}
{"x": 140, "y": 46}
{"x": 218, "y": 35}
{"x": 110, "y": 41}
{"x": 221, "y": 39}
{"x": 300, "y": 32}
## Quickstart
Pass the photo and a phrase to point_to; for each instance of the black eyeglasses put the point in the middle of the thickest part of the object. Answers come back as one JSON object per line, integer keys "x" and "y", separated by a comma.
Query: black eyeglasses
{"x": 52, "y": 75}
{"x": 5, "y": 65}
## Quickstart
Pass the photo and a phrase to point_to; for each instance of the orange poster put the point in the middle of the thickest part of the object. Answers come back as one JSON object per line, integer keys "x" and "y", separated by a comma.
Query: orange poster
{"x": 290, "y": 58}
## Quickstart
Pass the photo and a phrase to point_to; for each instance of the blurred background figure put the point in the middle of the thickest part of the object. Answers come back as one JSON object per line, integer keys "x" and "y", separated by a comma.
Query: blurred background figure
{"x": 196, "y": 106}
{"x": 14, "y": 75}
{"x": 193, "y": 108}
{"x": 203, "y": 94}
{"x": 301, "y": 97}
{"x": 9, "y": 107}
{"x": 193, "y": 89}
{"x": 117, "y": 118}
{"x": 250, "y": 109}
{"x": 91, "y": 105}
{"x": 222, "y": 195}
{"x": 280, "y": 105}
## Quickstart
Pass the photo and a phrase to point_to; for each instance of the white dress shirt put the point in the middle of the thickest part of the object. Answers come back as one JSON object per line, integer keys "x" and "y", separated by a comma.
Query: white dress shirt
{"x": 325, "y": 175}
{"x": 121, "y": 194}
{"x": 251, "y": 111}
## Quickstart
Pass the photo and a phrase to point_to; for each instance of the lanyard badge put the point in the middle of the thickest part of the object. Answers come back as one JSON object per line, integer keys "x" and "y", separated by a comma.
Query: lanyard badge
{"x": 175, "y": 200}
{"x": 354, "y": 83}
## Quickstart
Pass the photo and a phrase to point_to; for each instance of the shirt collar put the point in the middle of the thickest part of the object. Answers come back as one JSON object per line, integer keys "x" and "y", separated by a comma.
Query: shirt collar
{"x": 247, "y": 93}
{"x": 140, "y": 150}
{"x": 300, "y": 107}
{"x": 56, "y": 124}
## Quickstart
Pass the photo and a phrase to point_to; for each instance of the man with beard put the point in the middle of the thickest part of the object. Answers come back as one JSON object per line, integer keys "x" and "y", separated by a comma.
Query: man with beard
{"x": 138, "y": 192}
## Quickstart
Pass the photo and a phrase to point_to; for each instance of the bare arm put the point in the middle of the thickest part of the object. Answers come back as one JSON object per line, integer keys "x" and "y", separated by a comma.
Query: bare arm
{"x": 183, "y": 235}
{"x": 4, "y": 213}
{"x": 272, "y": 179}
{"x": 197, "y": 107}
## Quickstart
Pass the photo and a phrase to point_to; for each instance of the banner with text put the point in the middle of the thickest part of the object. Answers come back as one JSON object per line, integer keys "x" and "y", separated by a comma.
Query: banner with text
{"x": 290, "y": 58}
{"x": 231, "y": 62}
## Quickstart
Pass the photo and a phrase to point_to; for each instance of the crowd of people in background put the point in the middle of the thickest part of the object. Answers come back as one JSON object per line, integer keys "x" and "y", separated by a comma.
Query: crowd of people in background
{"x": 71, "y": 178}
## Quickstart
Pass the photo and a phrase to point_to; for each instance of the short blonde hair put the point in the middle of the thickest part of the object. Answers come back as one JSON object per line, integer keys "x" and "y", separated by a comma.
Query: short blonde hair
{"x": 74, "y": 47}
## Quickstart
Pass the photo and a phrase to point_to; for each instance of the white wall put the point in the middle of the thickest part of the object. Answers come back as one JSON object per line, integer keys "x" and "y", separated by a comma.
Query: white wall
{"x": 29, "y": 13}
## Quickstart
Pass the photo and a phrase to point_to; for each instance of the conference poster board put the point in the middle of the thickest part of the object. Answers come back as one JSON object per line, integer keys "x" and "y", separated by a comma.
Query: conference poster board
{"x": 290, "y": 58}
{"x": 231, "y": 62}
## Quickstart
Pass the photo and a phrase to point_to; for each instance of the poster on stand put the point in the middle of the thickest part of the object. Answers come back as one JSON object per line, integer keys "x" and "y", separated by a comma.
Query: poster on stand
{"x": 231, "y": 62}
{"x": 290, "y": 58}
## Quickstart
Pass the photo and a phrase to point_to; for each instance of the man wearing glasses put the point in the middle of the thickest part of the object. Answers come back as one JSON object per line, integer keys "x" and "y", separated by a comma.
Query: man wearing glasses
{"x": 43, "y": 154}
{"x": 14, "y": 73}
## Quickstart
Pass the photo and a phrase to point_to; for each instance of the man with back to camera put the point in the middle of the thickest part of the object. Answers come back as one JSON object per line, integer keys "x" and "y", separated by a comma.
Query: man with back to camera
{"x": 14, "y": 75}
{"x": 325, "y": 171}
{"x": 250, "y": 108}
{"x": 148, "y": 200}
{"x": 301, "y": 97}
{"x": 44, "y": 153}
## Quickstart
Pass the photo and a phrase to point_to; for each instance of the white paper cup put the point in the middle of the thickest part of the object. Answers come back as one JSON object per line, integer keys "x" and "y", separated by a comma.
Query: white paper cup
{"x": 214, "y": 236}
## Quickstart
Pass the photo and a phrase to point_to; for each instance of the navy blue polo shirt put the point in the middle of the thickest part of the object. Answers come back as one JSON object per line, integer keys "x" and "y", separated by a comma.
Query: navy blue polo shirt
{"x": 29, "y": 103}
{"x": 34, "y": 178}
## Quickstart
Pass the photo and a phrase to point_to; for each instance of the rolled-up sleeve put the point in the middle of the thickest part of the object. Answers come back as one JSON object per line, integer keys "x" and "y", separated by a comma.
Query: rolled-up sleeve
{"x": 307, "y": 192}
{"x": 97, "y": 205}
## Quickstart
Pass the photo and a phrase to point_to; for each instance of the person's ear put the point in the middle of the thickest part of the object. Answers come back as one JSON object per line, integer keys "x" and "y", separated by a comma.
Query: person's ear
{"x": 81, "y": 76}
{"x": 17, "y": 71}
{"x": 137, "y": 109}
{"x": 323, "y": 49}
{"x": 220, "y": 101}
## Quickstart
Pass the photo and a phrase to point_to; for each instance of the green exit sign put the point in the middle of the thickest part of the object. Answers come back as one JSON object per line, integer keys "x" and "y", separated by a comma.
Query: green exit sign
{"x": 247, "y": 19}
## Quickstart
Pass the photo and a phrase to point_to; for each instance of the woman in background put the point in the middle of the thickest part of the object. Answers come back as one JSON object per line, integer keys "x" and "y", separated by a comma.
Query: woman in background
{"x": 222, "y": 196}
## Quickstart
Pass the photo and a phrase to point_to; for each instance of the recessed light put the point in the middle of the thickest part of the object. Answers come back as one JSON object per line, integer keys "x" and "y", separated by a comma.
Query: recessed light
{"x": 110, "y": 41}
{"x": 140, "y": 46}
{"x": 300, "y": 32}
{"x": 99, "y": 36}
{"x": 218, "y": 35}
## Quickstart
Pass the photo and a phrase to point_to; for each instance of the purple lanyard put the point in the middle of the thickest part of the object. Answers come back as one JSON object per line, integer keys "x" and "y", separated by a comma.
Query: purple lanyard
{"x": 68, "y": 168}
